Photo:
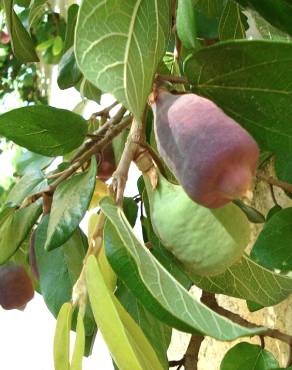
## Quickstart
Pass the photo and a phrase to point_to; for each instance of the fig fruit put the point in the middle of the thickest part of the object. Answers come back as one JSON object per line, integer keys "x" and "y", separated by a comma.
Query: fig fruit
{"x": 16, "y": 288}
{"x": 211, "y": 155}
{"x": 106, "y": 163}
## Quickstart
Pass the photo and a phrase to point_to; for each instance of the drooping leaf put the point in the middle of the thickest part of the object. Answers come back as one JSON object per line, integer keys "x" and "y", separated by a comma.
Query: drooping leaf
{"x": 248, "y": 280}
{"x": 158, "y": 334}
{"x": 69, "y": 73}
{"x": 70, "y": 202}
{"x": 155, "y": 287}
{"x": 15, "y": 228}
{"x": 88, "y": 90}
{"x": 70, "y": 28}
{"x": 131, "y": 210}
{"x": 186, "y": 23}
{"x": 62, "y": 338}
{"x": 272, "y": 248}
{"x": 128, "y": 346}
{"x": 210, "y": 240}
{"x": 278, "y": 13}
{"x": 248, "y": 356}
{"x": 135, "y": 35}
{"x": 44, "y": 130}
{"x": 29, "y": 184}
{"x": 21, "y": 42}
{"x": 79, "y": 346}
{"x": 250, "y": 80}
{"x": 233, "y": 23}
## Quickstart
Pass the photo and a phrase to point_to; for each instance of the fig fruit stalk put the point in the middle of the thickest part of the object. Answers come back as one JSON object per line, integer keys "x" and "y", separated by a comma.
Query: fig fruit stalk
{"x": 211, "y": 155}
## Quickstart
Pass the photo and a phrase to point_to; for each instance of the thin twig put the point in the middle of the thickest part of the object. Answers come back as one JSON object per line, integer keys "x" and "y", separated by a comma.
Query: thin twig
{"x": 210, "y": 301}
{"x": 99, "y": 133}
{"x": 172, "y": 79}
{"x": 272, "y": 181}
{"x": 105, "y": 112}
{"x": 273, "y": 195}
{"x": 113, "y": 132}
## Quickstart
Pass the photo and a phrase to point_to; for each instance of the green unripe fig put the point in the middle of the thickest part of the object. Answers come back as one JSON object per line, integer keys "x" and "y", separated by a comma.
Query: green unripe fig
{"x": 211, "y": 155}
{"x": 16, "y": 288}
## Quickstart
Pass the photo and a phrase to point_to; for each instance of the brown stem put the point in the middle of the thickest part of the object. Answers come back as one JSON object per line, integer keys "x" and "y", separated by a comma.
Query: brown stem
{"x": 272, "y": 181}
{"x": 273, "y": 195}
{"x": 113, "y": 132}
{"x": 105, "y": 112}
{"x": 172, "y": 79}
{"x": 99, "y": 133}
{"x": 120, "y": 176}
{"x": 210, "y": 301}
{"x": 192, "y": 354}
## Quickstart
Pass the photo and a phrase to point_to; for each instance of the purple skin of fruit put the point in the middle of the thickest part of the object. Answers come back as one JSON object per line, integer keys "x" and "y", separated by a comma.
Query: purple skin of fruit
{"x": 211, "y": 155}
{"x": 107, "y": 165}
{"x": 16, "y": 288}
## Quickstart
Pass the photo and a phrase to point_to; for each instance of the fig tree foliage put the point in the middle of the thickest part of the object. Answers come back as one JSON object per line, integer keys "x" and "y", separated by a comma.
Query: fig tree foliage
{"x": 203, "y": 102}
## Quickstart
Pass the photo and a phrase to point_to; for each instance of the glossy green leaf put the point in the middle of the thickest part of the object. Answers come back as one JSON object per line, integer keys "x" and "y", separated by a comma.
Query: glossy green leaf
{"x": 62, "y": 338}
{"x": 45, "y": 130}
{"x": 16, "y": 228}
{"x": 252, "y": 81}
{"x": 273, "y": 211}
{"x": 248, "y": 356}
{"x": 57, "y": 46}
{"x": 278, "y": 13}
{"x": 248, "y": 280}
{"x": 70, "y": 28}
{"x": 233, "y": 22}
{"x": 29, "y": 184}
{"x": 70, "y": 203}
{"x": 272, "y": 248}
{"x": 134, "y": 34}
{"x": 79, "y": 346}
{"x": 69, "y": 73}
{"x": 186, "y": 23}
{"x": 158, "y": 334}
{"x": 210, "y": 240}
{"x": 155, "y": 288}
{"x": 21, "y": 42}
{"x": 128, "y": 346}
{"x": 266, "y": 30}
{"x": 31, "y": 162}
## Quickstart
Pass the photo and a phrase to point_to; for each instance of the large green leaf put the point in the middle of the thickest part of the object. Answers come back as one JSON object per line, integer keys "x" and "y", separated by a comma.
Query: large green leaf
{"x": 79, "y": 346}
{"x": 247, "y": 356}
{"x": 272, "y": 248}
{"x": 233, "y": 23}
{"x": 22, "y": 44}
{"x": 252, "y": 81}
{"x": 70, "y": 28}
{"x": 248, "y": 280}
{"x": 210, "y": 8}
{"x": 70, "y": 202}
{"x": 128, "y": 346}
{"x": 31, "y": 162}
{"x": 158, "y": 334}
{"x": 210, "y": 240}
{"x": 157, "y": 290}
{"x": 119, "y": 45}
{"x": 15, "y": 228}
{"x": 278, "y": 13}
{"x": 44, "y": 130}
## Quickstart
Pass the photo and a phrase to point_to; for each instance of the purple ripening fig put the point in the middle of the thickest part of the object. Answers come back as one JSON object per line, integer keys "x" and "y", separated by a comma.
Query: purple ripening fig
{"x": 211, "y": 155}
{"x": 16, "y": 288}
